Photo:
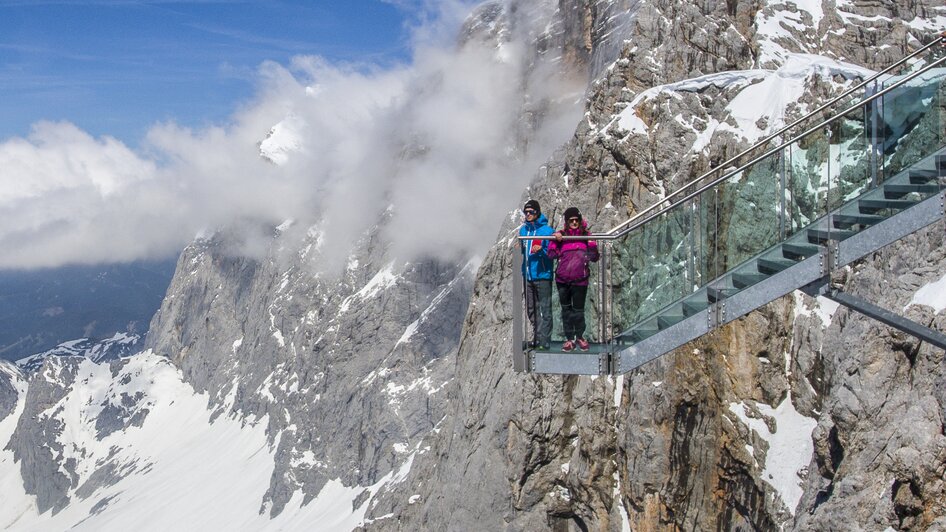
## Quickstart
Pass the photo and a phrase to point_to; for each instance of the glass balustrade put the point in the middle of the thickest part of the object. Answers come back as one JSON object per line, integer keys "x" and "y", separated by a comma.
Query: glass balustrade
{"x": 826, "y": 185}
{"x": 720, "y": 237}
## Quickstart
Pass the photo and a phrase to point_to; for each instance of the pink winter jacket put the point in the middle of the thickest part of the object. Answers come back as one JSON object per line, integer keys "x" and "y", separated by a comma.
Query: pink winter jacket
{"x": 573, "y": 257}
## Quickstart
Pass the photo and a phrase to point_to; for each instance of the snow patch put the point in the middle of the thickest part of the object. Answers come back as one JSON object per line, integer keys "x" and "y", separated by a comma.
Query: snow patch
{"x": 382, "y": 280}
{"x": 932, "y": 295}
{"x": 283, "y": 139}
{"x": 820, "y": 306}
{"x": 790, "y": 446}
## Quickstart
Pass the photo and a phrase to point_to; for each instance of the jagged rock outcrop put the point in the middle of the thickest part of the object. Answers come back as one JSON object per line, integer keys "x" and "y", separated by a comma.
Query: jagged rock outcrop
{"x": 8, "y": 391}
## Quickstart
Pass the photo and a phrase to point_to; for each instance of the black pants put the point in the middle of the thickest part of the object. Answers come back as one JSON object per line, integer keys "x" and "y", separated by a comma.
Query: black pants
{"x": 572, "y": 298}
{"x": 539, "y": 309}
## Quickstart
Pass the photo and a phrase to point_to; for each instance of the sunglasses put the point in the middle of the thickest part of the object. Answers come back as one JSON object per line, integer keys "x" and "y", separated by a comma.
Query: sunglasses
{"x": 528, "y": 212}
{"x": 573, "y": 220}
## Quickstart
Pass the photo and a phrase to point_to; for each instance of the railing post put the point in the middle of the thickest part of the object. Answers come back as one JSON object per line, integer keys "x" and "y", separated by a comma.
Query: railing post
{"x": 782, "y": 188}
{"x": 873, "y": 111}
{"x": 602, "y": 295}
{"x": 827, "y": 197}
{"x": 518, "y": 293}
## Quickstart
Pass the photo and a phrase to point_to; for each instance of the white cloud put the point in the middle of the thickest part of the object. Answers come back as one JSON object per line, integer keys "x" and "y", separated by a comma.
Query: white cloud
{"x": 437, "y": 139}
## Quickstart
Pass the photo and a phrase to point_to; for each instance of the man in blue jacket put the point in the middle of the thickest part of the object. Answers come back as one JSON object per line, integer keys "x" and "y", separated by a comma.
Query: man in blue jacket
{"x": 537, "y": 270}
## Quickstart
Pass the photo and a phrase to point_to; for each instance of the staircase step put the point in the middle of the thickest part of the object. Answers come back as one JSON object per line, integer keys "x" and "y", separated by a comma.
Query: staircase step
{"x": 743, "y": 280}
{"x": 922, "y": 177}
{"x": 798, "y": 251}
{"x": 641, "y": 334}
{"x": 668, "y": 320}
{"x": 872, "y": 206}
{"x": 820, "y": 236}
{"x": 846, "y": 221}
{"x": 716, "y": 295}
{"x": 694, "y": 307}
{"x": 899, "y": 191}
{"x": 770, "y": 266}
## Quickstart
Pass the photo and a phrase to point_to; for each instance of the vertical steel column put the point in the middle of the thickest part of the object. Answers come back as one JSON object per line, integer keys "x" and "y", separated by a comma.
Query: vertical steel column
{"x": 874, "y": 153}
{"x": 700, "y": 252}
{"x": 691, "y": 254}
{"x": 827, "y": 197}
{"x": 602, "y": 295}
{"x": 782, "y": 190}
{"x": 518, "y": 294}
{"x": 609, "y": 246}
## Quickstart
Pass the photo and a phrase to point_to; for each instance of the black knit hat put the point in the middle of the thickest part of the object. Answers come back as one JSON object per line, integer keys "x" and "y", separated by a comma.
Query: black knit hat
{"x": 572, "y": 212}
{"x": 532, "y": 204}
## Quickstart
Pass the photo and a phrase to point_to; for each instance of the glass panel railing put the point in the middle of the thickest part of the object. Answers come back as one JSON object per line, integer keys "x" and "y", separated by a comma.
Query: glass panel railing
{"x": 657, "y": 264}
{"x": 806, "y": 165}
{"x": 850, "y": 161}
{"x": 826, "y": 185}
{"x": 587, "y": 320}
{"x": 911, "y": 121}
{"x": 748, "y": 217}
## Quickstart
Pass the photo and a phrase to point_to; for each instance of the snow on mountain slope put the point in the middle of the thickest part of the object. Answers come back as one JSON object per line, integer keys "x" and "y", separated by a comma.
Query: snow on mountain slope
{"x": 283, "y": 139}
{"x": 761, "y": 97}
{"x": 180, "y": 466}
{"x": 120, "y": 345}
{"x": 142, "y": 450}
{"x": 12, "y": 402}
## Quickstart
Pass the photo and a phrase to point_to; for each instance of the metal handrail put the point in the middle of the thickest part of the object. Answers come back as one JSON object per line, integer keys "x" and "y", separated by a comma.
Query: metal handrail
{"x": 765, "y": 155}
{"x": 781, "y": 131}
{"x": 614, "y": 233}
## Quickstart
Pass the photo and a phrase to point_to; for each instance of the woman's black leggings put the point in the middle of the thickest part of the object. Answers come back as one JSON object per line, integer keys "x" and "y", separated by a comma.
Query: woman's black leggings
{"x": 572, "y": 298}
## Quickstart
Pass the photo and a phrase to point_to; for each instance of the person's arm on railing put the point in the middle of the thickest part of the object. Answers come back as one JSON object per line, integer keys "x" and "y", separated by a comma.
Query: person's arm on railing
{"x": 593, "y": 254}
{"x": 555, "y": 246}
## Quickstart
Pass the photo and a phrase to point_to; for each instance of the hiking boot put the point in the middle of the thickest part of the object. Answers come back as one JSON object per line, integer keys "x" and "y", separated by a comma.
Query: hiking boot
{"x": 582, "y": 344}
{"x": 568, "y": 346}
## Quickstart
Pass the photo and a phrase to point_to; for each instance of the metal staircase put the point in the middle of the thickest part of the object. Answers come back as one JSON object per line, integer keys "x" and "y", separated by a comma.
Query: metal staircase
{"x": 803, "y": 202}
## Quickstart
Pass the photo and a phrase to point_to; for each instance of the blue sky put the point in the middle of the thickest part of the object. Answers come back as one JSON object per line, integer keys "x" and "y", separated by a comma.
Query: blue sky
{"x": 115, "y": 67}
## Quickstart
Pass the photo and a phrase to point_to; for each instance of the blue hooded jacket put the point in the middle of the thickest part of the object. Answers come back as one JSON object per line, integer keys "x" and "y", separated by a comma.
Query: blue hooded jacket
{"x": 536, "y": 266}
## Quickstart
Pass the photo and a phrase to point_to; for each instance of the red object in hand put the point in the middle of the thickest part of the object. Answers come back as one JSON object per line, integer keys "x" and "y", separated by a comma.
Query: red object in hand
{"x": 536, "y": 247}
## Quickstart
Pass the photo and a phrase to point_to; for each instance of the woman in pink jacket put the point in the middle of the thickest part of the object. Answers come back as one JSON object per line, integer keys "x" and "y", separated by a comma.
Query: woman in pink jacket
{"x": 572, "y": 275}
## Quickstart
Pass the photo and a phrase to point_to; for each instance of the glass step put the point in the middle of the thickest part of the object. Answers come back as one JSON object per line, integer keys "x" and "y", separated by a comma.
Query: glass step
{"x": 745, "y": 280}
{"x": 873, "y": 206}
{"x": 770, "y": 266}
{"x": 820, "y": 236}
{"x": 798, "y": 251}
{"x": 899, "y": 191}
{"x": 846, "y": 221}
{"x": 668, "y": 320}
{"x": 691, "y": 308}
{"x": 640, "y": 334}
{"x": 718, "y": 294}
{"x": 922, "y": 177}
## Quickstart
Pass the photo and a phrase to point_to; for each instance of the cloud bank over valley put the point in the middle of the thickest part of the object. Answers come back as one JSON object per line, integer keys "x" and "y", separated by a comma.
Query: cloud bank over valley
{"x": 437, "y": 143}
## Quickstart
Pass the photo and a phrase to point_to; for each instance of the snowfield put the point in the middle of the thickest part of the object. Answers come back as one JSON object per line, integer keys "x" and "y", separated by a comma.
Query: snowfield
{"x": 182, "y": 469}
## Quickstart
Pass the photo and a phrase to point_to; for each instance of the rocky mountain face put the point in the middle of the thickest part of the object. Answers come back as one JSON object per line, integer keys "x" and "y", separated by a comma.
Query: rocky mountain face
{"x": 782, "y": 419}
{"x": 393, "y": 376}
{"x": 350, "y": 368}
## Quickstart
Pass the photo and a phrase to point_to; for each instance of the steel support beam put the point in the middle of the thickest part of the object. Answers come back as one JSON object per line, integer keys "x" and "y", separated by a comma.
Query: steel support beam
{"x": 888, "y": 318}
